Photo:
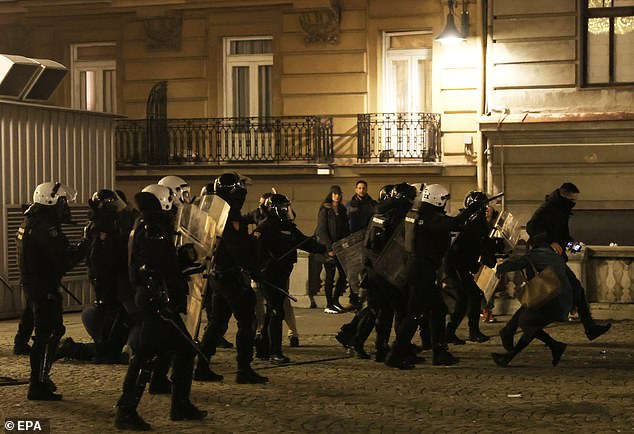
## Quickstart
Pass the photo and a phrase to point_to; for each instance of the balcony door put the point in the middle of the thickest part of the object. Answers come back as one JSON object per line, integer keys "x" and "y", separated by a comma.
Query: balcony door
{"x": 248, "y": 96}
{"x": 406, "y": 89}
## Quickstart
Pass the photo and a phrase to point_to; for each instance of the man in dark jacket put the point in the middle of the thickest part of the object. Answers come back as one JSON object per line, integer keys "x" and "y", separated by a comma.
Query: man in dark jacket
{"x": 360, "y": 207}
{"x": 45, "y": 255}
{"x": 552, "y": 218}
{"x": 332, "y": 225}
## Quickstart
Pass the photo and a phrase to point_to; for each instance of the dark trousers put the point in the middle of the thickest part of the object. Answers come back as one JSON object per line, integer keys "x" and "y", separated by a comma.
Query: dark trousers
{"x": 275, "y": 306}
{"x": 155, "y": 341}
{"x": 231, "y": 295}
{"x": 25, "y": 328}
{"x": 49, "y": 329}
{"x": 424, "y": 293}
{"x": 467, "y": 298}
{"x": 340, "y": 287}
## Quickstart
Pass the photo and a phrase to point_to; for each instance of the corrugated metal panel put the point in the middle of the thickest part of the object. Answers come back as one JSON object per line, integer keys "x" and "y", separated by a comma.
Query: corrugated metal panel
{"x": 38, "y": 144}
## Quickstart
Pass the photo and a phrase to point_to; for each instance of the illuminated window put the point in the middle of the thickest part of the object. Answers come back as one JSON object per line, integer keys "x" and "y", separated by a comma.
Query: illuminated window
{"x": 248, "y": 77}
{"x": 608, "y": 42}
{"x": 407, "y": 72}
{"x": 94, "y": 77}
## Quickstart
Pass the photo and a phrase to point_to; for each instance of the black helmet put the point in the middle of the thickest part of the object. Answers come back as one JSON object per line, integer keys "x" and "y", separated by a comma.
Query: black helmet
{"x": 278, "y": 205}
{"x": 475, "y": 196}
{"x": 106, "y": 200}
{"x": 404, "y": 190}
{"x": 230, "y": 187}
{"x": 385, "y": 192}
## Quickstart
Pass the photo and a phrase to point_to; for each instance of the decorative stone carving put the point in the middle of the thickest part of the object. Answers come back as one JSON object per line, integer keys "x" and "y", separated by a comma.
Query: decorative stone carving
{"x": 164, "y": 32}
{"x": 321, "y": 24}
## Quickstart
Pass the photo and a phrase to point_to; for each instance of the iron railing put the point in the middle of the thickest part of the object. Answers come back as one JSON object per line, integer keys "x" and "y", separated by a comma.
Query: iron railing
{"x": 218, "y": 140}
{"x": 398, "y": 137}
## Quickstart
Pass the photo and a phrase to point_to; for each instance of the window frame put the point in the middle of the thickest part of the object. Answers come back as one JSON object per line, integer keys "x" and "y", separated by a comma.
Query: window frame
{"x": 253, "y": 61}
{"x": 78, "y": 66}
{"x": 611, "y": 13}
{"x": 410, "y": 54}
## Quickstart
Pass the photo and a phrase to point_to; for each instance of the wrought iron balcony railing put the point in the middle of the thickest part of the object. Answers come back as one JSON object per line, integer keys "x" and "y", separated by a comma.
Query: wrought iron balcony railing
{"x": 218, "y": 140}
{"x": 398, "y": 137}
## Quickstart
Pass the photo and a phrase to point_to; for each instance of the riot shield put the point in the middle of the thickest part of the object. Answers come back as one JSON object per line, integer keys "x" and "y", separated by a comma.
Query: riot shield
{"x": 394, "y": 264}
{"x": 203, "y": 229}
{"x": 507, "y": 227}
{"x": 349, "y": 252}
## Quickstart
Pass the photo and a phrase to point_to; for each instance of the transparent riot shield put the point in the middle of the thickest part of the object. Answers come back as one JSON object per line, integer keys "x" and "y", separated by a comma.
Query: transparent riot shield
{"x": 349, "y": 251}
{"x": 394, "y": 263}
{"x": 203, "y": 229}
{"x": 507, "y": 227}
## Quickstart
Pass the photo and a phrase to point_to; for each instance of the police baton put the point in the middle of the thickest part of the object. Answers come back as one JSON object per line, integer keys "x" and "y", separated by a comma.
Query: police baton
{"x": 294, "y": 249}
{"x": 279, "y": 289}
{"x": 70, "y": 293}
{"x": 185, "y": 335}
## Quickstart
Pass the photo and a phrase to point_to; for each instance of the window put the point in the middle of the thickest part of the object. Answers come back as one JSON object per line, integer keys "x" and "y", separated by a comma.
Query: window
{"x": 248, "y": 71}
{"x": 94, "y": 77}
{"x": 608, "y": 42}
{"x": 407, "y": 72}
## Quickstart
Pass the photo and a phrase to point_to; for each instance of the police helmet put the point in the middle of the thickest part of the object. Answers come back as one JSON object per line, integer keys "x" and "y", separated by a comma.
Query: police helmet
{"x": 180, "y": 188}
{"x": 163, "y": 194}
{"x": 280, "y": 206}
{"x": 436, "y": 195}
{"x": 106, "y": 200}
{"x": 475, "y": 196}
{"x": 404, "y": 190}
{"x": 385, "y": 192}
{"x": 50, "y": 193}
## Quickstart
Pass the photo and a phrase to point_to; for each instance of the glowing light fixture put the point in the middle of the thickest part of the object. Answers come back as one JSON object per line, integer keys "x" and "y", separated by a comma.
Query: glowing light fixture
{"x": 451, "y": 35}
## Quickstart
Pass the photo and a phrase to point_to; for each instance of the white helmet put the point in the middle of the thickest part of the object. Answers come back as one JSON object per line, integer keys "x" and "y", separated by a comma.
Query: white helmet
{"x": 435, "y": 194}
{"x": 162, "y": 193}
{"x": 180, "y": 188}
{"x": 48, "y": 193}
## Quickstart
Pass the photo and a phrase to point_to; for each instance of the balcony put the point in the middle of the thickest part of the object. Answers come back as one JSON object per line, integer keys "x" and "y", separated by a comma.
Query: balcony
{"x": 224, "y": 140}
{"x": 398, "y": 138}
{"x": 381, "y": 138}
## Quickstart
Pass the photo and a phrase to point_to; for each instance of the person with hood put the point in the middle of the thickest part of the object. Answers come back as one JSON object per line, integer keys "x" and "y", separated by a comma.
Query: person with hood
{"x": 533, "y": 320}
{"x": 332, "y": 225}
{"x": 552, "y": 218}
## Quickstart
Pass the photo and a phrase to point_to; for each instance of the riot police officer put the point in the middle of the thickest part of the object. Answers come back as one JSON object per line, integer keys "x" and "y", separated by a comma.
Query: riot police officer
{"x": 45, "y": 255}
{"x": 180, "y": 188}
{"x": 427, "y": 237}
{"x": 230, "y": 287}
{"x": 279, "y": 238}
{"x": 160, "y": 293}
{"x": 462, "y": 295}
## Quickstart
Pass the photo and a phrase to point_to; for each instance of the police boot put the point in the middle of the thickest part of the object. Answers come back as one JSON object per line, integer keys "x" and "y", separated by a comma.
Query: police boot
{"x": 359, "y": 352}
{"x": 185, "y": 410}
{"x": 40, "y": 391}
{"x": 128, "y": 419}
{"x": 381, "y": 353}
{"x": 478, "y": 337}
{"x": 203, "y": 373}
{"x": 397, "y": 360}
{"x": 249, "y": 376}
{"x": 261, "y": 344}
{"x": 450, "y": 335}
{"x": 442, "y": 357}
{"x": 279, "y": 359}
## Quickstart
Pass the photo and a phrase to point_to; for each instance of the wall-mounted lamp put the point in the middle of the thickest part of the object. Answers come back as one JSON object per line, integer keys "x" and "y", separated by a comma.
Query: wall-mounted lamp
{"x": 451, "y": 35}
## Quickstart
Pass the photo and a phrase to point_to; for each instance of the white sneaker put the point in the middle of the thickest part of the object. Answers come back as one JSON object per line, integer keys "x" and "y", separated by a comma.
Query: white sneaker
{"x": 330, "y": 310}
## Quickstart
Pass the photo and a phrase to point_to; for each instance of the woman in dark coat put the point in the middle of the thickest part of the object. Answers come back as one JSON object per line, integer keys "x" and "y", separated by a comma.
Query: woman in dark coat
{"x": 332, "y": 225}
{"x": 533, "y": 321}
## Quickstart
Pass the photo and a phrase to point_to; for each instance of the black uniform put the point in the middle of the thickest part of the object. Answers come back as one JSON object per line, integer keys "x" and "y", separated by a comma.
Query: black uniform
{"x": 160, "y": 293}
{"x": 45, "y": 255}
{"x": 278, "y": 239}
{"x": 431, "y": 235}
{"x": 230, "y": 287}
{"x": 383, "y": 299}
{"x": 462, "y": 294}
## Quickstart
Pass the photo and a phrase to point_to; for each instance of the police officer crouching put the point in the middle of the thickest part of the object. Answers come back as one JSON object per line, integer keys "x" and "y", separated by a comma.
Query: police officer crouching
{"x": 45, "y": 255}
{"x": 160, "y": 293}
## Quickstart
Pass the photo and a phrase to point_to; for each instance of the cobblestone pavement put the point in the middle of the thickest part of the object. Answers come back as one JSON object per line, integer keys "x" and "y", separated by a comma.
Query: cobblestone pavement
{"x": 592, "y": 390}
